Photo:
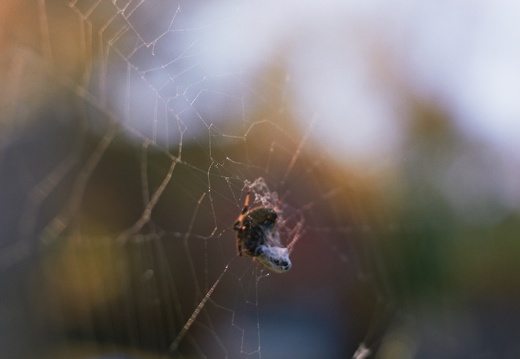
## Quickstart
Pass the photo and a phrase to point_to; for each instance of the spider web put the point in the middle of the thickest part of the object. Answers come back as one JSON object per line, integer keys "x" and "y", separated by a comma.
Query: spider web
{"x": 143, "y": 146}
{"x": 131, "y": 133}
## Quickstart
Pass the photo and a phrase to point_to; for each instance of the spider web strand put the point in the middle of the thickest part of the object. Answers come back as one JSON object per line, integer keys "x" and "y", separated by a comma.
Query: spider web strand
{"x": 175, "y": 344}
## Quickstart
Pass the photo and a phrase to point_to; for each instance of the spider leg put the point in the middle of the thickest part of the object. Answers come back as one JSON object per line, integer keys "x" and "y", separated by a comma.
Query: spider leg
{"x": 239, "y": 247}
{"x": 246, "y": 203}
{"x": 238, "y": 223}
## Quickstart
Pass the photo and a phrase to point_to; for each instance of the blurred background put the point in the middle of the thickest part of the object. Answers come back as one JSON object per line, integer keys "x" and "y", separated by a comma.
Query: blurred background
{"x": 129, "y": 130}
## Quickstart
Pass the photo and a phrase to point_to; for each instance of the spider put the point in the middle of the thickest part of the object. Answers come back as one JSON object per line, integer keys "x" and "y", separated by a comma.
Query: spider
{"x": 257, "y": 237}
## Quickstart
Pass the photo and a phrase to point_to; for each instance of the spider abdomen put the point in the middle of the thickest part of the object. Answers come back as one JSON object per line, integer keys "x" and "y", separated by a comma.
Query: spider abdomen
{"x": 252, "y": 237}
